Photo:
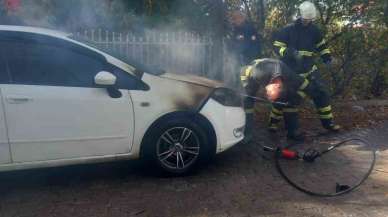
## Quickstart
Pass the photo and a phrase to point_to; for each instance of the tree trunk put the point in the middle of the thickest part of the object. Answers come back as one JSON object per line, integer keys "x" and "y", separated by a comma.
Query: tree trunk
{"x": 219, "y": 32}
{"x": 386, "y": 14}
{"x": 261, "y": 15}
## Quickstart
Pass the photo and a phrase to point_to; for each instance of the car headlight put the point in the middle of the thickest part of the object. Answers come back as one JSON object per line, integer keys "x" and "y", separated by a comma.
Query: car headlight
{"x": 227, "y": 97}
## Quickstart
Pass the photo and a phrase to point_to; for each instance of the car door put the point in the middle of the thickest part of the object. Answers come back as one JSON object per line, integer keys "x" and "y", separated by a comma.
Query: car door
{"x": 5, "y": 154}
{"x": 53, "y": 108}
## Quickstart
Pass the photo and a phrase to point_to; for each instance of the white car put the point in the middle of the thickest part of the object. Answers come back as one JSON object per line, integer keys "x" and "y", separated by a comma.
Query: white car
{"x": 65, "y": 102}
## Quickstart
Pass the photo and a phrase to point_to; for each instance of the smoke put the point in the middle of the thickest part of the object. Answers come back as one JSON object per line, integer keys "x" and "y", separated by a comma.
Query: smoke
{"x": 32, "y": 15}
{"x": 174, "y": 44}
{"x": 70, "y": 14}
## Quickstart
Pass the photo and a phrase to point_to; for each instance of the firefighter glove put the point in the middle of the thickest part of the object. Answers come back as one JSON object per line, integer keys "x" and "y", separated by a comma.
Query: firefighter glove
{"x": 293, "y": 53}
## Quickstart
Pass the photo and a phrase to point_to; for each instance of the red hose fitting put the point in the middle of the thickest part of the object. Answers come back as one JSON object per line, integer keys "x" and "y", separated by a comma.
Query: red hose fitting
{"x": 288, "y": 154}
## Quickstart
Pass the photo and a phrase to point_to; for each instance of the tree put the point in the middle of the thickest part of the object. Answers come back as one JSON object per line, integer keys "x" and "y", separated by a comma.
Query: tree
{"x": 357, "y": 30}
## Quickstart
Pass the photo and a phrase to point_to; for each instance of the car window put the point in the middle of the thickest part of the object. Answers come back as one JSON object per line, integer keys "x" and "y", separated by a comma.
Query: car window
{"x": 47, "y": 64}
{"x": 119, "y": 55}
{"x": 124, "y": 79}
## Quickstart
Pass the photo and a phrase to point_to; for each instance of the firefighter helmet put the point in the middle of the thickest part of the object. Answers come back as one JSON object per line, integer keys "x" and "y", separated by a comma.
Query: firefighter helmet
{"x": 308, "y": 10}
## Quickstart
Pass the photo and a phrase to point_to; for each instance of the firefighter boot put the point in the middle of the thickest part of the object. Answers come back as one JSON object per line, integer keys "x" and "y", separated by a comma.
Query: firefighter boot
{"x": 329, "y": 125}
{"x": 296, "y": 136}
{"x": 291, "y": 121}
{"x": 326, "y": 116}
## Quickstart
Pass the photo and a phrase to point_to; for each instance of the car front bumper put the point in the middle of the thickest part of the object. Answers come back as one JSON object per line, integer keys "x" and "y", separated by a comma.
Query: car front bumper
{"x": 228, "y": 123}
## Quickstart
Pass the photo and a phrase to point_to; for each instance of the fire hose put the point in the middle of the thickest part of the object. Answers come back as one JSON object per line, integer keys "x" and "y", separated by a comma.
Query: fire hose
{"x": 310, "y": 156}
{"x": 262, "y": 99}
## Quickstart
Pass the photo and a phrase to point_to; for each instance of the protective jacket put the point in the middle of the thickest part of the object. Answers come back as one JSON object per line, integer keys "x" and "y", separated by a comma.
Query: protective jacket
{"x": 298, "y": 45}
{"x": 262, "y": 71}
{"x": 245, "y": 42}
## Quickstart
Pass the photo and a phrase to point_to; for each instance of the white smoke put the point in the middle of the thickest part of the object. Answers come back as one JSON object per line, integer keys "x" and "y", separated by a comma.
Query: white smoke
{"x": 194, "y": 54}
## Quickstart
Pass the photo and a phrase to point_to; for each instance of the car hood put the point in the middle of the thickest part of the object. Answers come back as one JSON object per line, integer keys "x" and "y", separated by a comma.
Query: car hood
{"x": 193, "y": 79}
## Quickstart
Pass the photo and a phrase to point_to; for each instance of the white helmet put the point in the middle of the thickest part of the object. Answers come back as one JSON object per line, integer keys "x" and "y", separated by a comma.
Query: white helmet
{"x": 308, "y": 11}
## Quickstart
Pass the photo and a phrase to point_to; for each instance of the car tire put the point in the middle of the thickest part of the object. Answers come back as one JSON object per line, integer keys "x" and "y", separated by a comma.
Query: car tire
{"x": 178, "y": 146}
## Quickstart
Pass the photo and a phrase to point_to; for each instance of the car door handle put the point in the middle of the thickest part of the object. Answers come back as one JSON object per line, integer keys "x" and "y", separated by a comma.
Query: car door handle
{"x": 18, "y": 99}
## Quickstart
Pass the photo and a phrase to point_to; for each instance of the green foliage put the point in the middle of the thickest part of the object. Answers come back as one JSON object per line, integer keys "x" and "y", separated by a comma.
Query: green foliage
{"x": 357, "y": 30}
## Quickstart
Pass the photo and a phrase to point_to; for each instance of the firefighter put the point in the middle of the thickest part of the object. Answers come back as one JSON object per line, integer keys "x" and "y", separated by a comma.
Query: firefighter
{"x": 244, "y": 39}
{"x": 282, "y": 84}
{"x": 243, "y": 46}
{"x": 297, "y": 45}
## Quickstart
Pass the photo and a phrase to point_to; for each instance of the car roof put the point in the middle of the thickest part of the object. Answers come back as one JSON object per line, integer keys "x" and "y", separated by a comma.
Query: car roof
{"x": 30, "y": 29}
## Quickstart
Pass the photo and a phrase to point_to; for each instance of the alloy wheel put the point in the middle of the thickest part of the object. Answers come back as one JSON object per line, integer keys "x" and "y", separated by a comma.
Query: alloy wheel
{"x": 178, "y": 148}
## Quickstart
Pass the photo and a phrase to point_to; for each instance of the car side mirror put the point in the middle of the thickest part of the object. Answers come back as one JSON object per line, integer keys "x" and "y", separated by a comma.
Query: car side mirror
{"x": 108, "y": 80}
{"x": 105, "y": 78}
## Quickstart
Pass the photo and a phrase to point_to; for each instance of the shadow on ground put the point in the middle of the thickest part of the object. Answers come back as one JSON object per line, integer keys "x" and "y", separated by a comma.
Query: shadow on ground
{"x": 240, "y": 182}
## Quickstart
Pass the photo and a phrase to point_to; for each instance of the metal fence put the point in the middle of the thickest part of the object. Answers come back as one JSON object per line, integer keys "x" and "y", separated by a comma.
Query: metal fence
{"x": 178, "y": 52}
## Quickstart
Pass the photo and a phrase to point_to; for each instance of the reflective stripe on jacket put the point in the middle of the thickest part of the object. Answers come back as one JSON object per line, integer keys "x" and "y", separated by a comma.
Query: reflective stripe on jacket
{"x": 307, "y": 41}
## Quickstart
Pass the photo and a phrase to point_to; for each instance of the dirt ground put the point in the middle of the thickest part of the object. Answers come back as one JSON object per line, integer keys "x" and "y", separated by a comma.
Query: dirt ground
{"x": 240, "y": 182}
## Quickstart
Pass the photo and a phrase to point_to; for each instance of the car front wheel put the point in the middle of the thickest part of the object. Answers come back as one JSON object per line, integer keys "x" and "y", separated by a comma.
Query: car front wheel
{"x": 178, "y": 146}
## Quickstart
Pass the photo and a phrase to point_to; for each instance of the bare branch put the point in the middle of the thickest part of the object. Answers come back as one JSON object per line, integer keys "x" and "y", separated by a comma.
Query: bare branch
{"x": 248, "y": 10}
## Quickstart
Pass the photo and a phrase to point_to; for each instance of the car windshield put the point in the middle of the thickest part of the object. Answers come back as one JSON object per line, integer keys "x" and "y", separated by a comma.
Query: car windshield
{"x": 119, "y": 55}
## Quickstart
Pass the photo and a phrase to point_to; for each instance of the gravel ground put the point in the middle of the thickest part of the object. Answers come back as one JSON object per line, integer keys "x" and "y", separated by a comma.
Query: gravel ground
{"x": 240, "y": 182}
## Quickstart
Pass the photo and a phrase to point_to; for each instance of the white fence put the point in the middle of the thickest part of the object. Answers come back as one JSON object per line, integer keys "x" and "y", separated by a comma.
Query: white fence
{"x": 179, "y": 52}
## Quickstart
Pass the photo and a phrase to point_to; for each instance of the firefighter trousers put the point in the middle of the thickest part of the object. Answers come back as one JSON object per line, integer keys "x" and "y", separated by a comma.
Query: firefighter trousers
{"x": 251, "y": 89}
{"x": 309, "y": 87}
